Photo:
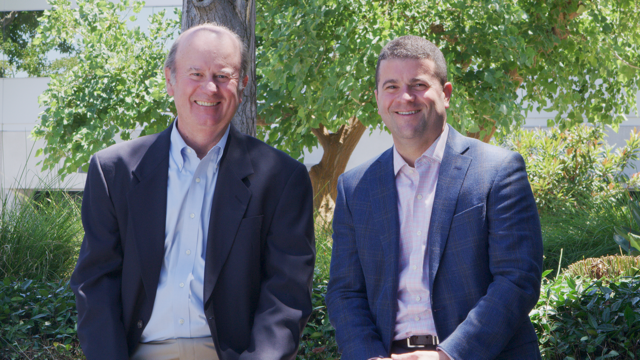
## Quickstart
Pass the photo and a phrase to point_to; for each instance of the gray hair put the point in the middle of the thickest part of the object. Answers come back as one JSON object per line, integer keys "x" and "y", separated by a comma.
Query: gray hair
{"x": 170, "y": 61}
{"x": 414, "y": 47}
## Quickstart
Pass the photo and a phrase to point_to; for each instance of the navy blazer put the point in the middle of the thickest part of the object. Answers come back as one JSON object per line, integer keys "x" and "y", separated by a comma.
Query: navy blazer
{"x": 260, "y": 249}
{"x": 484, "y": 248}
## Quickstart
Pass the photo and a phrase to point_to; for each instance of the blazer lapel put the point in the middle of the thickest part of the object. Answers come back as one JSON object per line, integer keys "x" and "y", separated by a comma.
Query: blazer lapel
{"x": 453, "y": 170}
{"x": 384, "y": 204}
{"x": 148, "y": 208}
{"x": 230, "y": 201}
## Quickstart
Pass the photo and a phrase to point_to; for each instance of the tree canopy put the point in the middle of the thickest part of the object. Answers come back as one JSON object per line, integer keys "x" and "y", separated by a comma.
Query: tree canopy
{"x": 316, "y": 66}
{"x": 316, "y": 61}
{"x": 18, "y": 29}
{"x": 116, "y": 87}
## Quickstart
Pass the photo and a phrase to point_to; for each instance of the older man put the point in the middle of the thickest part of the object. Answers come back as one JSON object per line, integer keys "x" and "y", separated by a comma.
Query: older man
{"x": 437, "y": 248}
{"x": 198, "y": 240}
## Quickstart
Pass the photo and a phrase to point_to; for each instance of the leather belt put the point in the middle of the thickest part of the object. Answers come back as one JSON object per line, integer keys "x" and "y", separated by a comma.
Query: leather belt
{"x": 426, "y": 342}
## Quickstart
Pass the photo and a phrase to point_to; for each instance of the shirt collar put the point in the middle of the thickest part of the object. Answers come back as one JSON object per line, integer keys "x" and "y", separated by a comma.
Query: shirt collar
{"x": 178, "y": 144}
{"x": 435, "y": 151}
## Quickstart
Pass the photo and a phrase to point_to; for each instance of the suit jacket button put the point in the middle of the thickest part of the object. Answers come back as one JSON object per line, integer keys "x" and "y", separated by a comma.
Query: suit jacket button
{"x": 139, "y": 324}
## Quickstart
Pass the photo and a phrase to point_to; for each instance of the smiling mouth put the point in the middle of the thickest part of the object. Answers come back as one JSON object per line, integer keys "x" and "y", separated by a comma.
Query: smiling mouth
{"x": 407, "y": 112}
{"x": 204, "y": 103}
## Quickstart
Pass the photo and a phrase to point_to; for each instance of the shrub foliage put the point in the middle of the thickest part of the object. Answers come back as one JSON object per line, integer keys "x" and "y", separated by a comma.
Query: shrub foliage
{"x": 37, "y": 320}
{"x": 579, "y": 318}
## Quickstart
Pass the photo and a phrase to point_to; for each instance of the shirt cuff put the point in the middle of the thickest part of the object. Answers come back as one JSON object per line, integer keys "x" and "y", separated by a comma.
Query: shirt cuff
{"x": 444, "y": 351}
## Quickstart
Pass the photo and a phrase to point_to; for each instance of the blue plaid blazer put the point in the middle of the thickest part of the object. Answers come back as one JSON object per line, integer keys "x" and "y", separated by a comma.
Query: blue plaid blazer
{"x": 484, "y": 248}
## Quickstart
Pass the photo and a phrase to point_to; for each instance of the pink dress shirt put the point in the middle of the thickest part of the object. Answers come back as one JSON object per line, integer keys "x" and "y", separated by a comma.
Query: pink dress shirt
{"x": 416, "y": 191}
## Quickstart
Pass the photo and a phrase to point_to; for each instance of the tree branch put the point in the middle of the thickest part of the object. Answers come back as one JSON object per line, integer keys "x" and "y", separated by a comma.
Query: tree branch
{"x": 625, "y": 62}
{"x": 7, "y": 20}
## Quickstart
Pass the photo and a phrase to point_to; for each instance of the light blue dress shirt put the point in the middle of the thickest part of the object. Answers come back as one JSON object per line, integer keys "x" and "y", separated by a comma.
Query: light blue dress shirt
{"x": 178, "y": 310}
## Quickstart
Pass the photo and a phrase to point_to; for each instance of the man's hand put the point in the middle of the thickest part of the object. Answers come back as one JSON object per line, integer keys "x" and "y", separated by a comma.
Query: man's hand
{"x": 421, "y": 355}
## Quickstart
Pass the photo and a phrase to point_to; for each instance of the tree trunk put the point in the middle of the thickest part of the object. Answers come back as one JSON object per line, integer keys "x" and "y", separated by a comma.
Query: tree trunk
{"x": 239, "y": 16}
{"x": 486, "y": 131}
{"x": 337, "y": 148}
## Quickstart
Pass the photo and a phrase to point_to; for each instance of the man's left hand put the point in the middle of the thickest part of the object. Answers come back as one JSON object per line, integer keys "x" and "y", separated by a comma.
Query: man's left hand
{"x": 421, "y": 355}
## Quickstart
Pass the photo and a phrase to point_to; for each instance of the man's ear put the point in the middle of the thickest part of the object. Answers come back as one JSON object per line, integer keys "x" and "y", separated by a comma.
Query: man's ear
{"x": 167, "y": 80}
{"x": 375, "y": 92}
{"x": 245, "y": 81}
{"x": 447, "y": 89}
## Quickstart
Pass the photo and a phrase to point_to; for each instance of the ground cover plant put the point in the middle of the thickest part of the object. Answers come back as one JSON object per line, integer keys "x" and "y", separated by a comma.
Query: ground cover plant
{"x": 580, "y": 186}
{"x": 37, "y": 320}
{"x": 581, "y": 318}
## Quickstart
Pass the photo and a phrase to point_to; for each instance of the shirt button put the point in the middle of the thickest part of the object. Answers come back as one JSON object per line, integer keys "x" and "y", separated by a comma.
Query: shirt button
{"x": 181, "y": 285}
{"x": 417, "y": 298}
{"x": 192, "y": 215}
{"x": 197, "y": 180}
{"x": 419, "y": 232}
{"x": 181, "y": 321}
{"x": 419, "y": 196}
{"x": 189, "y": 150}
{"x": 188, "y": 252}
{"x": 414, "y": 267}
{"x": 417, "y": 318}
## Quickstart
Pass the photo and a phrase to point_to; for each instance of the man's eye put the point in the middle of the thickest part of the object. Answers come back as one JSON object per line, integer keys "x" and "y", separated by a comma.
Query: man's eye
{"x": 196, "y": 74}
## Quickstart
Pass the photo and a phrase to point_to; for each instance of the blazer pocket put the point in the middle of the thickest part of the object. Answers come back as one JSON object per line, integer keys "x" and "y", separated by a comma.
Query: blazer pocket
{"x": 474, "y": 212}
{"x": 246, "y": 247}
{"x": 470, "y": 221}
{"x": 249, "y": 228}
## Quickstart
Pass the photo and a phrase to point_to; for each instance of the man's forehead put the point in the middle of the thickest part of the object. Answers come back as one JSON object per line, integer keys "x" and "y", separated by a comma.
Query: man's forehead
{"x": 403, "y": 69}
{"x": 202, "y": 49}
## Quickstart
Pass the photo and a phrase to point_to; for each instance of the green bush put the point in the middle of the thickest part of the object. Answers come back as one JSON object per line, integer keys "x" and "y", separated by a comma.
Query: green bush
{"x": 580, "y": 188}
{"x": 39, "y": 238}
{"x": 575, "y": 168}
{"x": 318, "y": 338}
{"x": 607, "y": 266}
{"x": 37, "y": 320}
{"x": 579, "y": 318}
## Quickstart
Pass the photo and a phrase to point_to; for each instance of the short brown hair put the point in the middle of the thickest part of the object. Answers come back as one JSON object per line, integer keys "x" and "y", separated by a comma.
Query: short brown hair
{"x": 414, "y": 47}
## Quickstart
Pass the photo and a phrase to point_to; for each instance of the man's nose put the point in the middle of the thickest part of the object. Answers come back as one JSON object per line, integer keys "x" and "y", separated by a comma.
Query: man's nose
{"x": 407, "y": 95}
{"x": 211, "y": 86}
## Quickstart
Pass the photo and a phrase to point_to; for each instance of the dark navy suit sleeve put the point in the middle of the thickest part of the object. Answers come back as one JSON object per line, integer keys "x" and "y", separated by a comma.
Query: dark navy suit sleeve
{"x": 284, "y": 305}
{"x": 347, "y": 301}
{"x": 96, "y": 280}
{"x": 515, "y": 263}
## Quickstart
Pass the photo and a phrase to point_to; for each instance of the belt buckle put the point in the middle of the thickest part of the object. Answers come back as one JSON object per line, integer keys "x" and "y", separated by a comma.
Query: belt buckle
{"x": 412, "y": 346}
{"x": 432, "y": 339}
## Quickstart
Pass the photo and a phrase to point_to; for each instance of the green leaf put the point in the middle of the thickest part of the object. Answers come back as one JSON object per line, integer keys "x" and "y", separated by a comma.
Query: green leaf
{"x": 629, "y": 316}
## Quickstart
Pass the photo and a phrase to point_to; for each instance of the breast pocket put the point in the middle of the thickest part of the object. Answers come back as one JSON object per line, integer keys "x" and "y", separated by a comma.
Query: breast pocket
{"x": 249, "y": 229}
{"x": 468, "y": 227}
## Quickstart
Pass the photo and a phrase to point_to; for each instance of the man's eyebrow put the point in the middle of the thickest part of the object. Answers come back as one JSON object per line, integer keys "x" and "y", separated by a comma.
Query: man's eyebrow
{"x": 417, "y": 79}
{"x": 389, "y": 81}
{"x": 193, "y": 68}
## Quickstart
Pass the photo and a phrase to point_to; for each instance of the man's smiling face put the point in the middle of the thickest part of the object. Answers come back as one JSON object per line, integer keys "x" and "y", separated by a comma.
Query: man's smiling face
{"x": 205, "y": 84}
{"x": 411, "y": 100}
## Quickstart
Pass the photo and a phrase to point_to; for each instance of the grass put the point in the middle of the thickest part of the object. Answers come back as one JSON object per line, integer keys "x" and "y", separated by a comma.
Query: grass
{"x": 583, "y": 233}
{"x": 39, "y": 237}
